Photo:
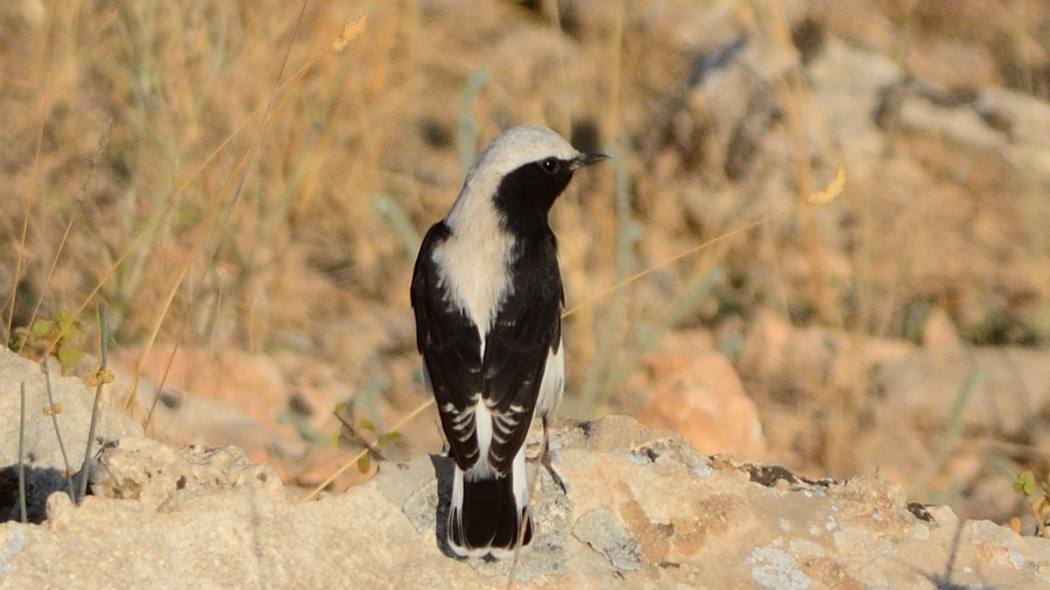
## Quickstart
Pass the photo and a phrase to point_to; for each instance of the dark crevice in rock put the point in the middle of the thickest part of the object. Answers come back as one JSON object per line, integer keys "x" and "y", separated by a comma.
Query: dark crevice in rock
{"x": 40, "y": 482}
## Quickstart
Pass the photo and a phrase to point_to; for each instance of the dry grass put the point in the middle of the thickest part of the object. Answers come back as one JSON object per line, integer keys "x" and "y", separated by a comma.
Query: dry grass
{"x": 205, "y": 214}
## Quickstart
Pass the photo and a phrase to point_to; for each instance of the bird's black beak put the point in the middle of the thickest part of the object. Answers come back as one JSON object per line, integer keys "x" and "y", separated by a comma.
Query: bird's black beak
{"x": 587, "y": 160}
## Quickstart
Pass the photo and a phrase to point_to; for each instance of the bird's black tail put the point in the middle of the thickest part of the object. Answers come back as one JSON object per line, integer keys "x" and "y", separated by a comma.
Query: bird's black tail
{"x": 486, "y": 517}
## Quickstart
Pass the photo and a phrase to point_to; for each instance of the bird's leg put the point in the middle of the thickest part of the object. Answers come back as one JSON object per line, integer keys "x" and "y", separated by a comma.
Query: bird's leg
{"x": 545, "y": 458}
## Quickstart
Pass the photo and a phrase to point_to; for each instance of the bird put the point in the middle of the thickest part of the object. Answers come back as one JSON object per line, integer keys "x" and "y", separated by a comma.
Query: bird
{"x": 487, "y": 297}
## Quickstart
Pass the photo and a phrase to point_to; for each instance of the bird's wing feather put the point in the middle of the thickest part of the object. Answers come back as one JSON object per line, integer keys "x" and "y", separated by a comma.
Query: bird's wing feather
{"x": 517, "y": 347}
{"x": 451, "y": 349}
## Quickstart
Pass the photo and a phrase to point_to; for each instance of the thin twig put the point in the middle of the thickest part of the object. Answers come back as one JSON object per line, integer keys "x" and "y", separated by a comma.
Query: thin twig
{"x": 397, "y": 427}
{"x": 30, "y": 198}
{"x": 58, "y": 433}
{"x": 236, "y": 185}
{"x": 85, "y": 470}
{"x": 360, "y": 437}
{"x": 21, "y": 465}
{"x": 528, "y": 507}
{"x": 816, "y": 199}
{"x": 78, "y": 202}
{"x": 677, "y": 257}
{"x": 1038, "y": 519}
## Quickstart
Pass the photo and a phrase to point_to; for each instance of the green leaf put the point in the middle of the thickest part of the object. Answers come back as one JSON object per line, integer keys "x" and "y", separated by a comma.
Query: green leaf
{"x": 366, "y": 424}
{"x": 64, "y": 318}
{"x": 71, "y": 331}
{"x": 388, "y": 438}
{"x": 364, "y": 462}
{"x": 339, "y": 407}
{"x": 40, "y": 329}
{"x": 1025, "y": 483}
{"x": 68, "y": 357}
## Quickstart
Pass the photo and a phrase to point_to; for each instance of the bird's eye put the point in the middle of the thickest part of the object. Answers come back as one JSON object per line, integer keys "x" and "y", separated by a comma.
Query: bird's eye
{"x": 551, "y": 165}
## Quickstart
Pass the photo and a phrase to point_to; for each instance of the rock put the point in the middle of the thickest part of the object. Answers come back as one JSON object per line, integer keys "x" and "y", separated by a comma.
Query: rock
{"x": 811, "y": 358}
{"x": 46, "y": 464}
{"x": 697, "y": 393}
{"x": 996, "y": 390}
{"x": 940, "y": 331}
{"x": 606, "y": 535}
{"x": 227, "y": 398}
{"x": 643, "y": 509}
{"x": 249, "y": 382}
{"x": 907, "y": 412}
{"x": 154, "y": 473}
{"x": 278, "y": 410}
{"x": 72, "y": 408}
{"x": 954, "y": 64}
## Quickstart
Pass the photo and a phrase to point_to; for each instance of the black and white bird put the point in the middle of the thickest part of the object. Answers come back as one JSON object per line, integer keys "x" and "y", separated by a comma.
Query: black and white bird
{"x": 487, "y": 296}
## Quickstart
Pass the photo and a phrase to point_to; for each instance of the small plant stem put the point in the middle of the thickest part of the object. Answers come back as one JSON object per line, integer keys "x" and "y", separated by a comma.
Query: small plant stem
{"x": 360, "y": 437}
{"x": 21, "y": 465}
{"x": 58, "y": 433}
{"x": 352, "y": 462}
{"x": 675, "y": 258}
{"x": 78, "y": 201}
{"x": 45, "y": 102}
{"x": 85, "y": 470}
{"x": 1038, "y": 519}
{"x": 597, "y": 385}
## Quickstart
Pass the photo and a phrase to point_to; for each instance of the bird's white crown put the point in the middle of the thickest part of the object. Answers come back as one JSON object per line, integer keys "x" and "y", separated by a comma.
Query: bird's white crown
{"x": 518, "y": 146}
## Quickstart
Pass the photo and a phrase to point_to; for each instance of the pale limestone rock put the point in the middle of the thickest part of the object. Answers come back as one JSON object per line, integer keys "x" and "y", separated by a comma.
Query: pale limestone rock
{"x": 644, "y": 509}
{"x": 177, "y": 415}
{"x": 73, "y": 401}
{"x": 696, "y": 392}
{"x": 159, "y": 475}
{"x": 46, "y": 468}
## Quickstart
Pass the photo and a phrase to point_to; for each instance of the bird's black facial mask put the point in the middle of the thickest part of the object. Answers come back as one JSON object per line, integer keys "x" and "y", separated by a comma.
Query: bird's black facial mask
{"x": 525, "y": 196}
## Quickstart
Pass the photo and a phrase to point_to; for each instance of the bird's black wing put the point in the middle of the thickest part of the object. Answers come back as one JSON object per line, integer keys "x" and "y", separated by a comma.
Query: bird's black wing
{"x": 451, "y": 349}
{"x": 527, "y": 328}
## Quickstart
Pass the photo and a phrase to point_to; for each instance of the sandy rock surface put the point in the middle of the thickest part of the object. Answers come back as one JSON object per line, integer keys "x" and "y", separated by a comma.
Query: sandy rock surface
{"x": 72, "y": 409}
{"x": 644, "y": 508}
{"x": 47, "y": 466}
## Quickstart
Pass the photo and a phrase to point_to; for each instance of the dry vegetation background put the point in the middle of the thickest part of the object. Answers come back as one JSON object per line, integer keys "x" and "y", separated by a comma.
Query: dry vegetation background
{"x": 137, "y": 169}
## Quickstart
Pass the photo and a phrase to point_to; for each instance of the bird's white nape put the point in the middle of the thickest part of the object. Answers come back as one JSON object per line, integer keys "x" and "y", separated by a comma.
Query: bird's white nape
{"x": 509, "y": 151}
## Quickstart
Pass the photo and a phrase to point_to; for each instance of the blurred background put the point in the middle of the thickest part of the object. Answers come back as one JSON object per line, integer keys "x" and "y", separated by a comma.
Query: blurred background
{"x": 245, "y": 184}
